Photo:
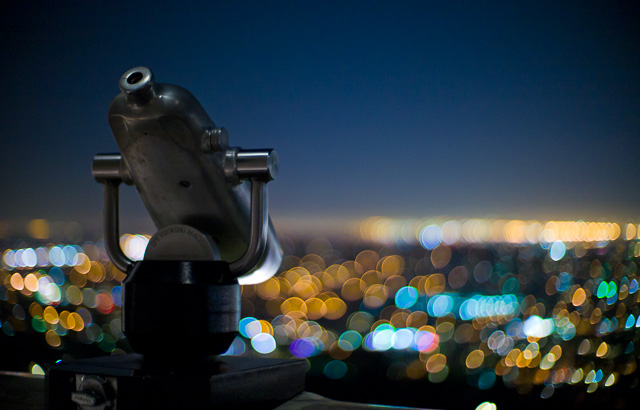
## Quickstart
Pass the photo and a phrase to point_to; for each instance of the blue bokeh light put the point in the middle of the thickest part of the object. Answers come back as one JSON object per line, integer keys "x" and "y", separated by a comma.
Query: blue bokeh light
{"x": 406, "y": 297}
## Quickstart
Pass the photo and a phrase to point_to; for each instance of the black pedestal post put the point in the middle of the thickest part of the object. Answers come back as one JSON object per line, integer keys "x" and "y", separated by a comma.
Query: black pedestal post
{"x": 200, "y": 302}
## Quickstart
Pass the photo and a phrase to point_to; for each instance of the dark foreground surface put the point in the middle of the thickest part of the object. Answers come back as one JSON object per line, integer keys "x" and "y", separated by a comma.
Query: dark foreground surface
{"x": 25, "y": 391}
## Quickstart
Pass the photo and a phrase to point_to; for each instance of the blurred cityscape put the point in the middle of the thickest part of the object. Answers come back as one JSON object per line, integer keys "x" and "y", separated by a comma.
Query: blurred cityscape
{"x": 495, "y": 307}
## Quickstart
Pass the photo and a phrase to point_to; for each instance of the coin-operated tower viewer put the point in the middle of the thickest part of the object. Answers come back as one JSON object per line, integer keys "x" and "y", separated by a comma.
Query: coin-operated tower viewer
{"x": 209, "y": 203}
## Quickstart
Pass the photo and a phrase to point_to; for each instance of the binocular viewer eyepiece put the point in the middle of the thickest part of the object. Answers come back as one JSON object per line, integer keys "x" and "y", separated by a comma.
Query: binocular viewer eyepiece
{"x": 209, "y": 203}
{"x": 181, "y": 302}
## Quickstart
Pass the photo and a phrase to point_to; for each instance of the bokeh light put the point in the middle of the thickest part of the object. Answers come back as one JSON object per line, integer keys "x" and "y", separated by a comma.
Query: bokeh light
{"x": 528, "y": 305}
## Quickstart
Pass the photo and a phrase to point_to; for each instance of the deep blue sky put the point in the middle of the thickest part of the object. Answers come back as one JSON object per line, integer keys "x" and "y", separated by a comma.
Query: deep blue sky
{"x": 407, "y": 109}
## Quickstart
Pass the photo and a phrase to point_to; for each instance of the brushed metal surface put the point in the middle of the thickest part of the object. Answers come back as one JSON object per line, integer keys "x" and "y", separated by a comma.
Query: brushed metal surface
{"x": 165, "y": 136}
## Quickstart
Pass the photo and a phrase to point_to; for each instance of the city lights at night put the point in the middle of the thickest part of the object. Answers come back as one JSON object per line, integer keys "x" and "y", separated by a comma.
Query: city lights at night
{"x": 455, "y": 200}
{"x": 492, "y": 301}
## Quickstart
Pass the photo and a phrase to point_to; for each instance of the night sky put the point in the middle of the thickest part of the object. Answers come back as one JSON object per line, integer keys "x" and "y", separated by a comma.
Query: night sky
{"x": 403, "y": 109}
